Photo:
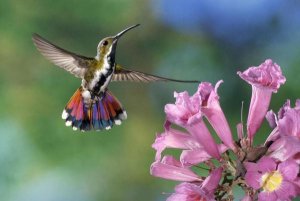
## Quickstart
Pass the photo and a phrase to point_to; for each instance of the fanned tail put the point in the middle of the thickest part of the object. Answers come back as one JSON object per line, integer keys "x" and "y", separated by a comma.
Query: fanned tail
{"x": 86, "y": 113}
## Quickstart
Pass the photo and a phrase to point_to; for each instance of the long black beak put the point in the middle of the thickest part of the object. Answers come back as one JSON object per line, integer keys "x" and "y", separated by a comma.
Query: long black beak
{"x": 124, "y": 31}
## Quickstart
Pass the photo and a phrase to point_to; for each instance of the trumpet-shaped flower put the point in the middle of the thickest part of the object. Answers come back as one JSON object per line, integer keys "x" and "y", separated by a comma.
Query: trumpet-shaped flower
{"x": 265, "y": 80}
{"x": 210, "y": 107}
{"x": 187, "y": 114}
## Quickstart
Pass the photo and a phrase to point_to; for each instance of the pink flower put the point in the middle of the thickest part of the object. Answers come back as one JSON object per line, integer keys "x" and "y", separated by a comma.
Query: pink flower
{"x": 277, "y": 181}
{"x": 287, "y": 123}
{"x": 186, "y": 113}
{"x": 170, "y": 168}
{"x": 210, "y": 107}
{"x": 194, "y": 152}
{"x": 198, "y": 190}
{"x": 265, "y": 80}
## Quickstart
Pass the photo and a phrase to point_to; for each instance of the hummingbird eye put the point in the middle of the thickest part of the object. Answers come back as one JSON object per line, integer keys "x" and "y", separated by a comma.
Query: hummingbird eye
{"x": 105, "y": 43}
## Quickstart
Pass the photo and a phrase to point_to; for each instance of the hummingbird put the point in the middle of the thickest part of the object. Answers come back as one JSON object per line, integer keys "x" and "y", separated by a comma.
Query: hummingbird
{"x": 93, "y": 106}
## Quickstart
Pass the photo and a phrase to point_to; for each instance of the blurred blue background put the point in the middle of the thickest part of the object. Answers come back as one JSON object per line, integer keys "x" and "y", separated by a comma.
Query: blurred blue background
{"x": 41, "y": 159}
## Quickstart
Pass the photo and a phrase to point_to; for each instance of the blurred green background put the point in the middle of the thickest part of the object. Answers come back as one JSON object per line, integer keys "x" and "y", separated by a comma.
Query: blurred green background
{"x": 41, "y": 159}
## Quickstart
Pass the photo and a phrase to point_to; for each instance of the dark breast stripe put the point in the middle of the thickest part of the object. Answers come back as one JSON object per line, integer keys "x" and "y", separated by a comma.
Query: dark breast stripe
{"x": 102, "y": 80}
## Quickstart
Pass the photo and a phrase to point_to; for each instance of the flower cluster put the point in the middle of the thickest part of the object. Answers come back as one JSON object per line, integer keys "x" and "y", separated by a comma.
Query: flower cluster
{"x": 209, "y": 170}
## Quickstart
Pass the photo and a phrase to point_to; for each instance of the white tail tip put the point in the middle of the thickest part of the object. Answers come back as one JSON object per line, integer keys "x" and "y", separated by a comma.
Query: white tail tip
{"x": 68, "y": 123}
{"x": 123, "y": 116}
{"x": 118, "y": 122}
{"x": 64, "y": 115}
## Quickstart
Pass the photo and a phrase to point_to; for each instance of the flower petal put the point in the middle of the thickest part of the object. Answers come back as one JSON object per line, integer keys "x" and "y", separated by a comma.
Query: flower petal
{"x": 173, "y": 138}
{"x": 212, "y": 181}
{"x": 170, "y": 160}
{"x": 267, "y": 196}
{"x": 271, "y": 118}
{"x": 260, "y": 101}
{"x": 190, "y": 192}
{"x": 253, "y": 179}
{"x": 193, "y": 157}
{"x": 189, "y": 188}
{"x": 169, "y": 169}
{"x": 202, "y": 134}
{"x": 251, "y": 167}
{"x": 289, "y": 169}
{"x": 210, "y": 106}
{"x": 289, "y": 124}
{"x": 266, "y": 75}
{"x": 284, "y": 148}
{"x": 196, "y": 156}
{"x": 177, "y": 114}
{"x": 286, "y": 106}
{"x": 266, "y": 164}
{"x": 274, "y": 135}
{"x": 185, "y": 110}
{"x": 178, "y": 196}
{"x": 287, "y": 191}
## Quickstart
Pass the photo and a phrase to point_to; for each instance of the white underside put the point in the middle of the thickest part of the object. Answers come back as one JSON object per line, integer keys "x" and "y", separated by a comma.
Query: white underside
{"x": 95, "y": 79}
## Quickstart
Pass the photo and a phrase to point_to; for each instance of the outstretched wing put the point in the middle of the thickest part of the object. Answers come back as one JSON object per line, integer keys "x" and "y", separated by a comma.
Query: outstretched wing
{"x": 71, "y": 62}
{"x": 122, "y": 74}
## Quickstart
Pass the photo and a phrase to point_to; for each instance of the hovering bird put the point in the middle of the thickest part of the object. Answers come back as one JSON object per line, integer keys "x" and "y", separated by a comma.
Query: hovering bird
{"x": 93, "y": 106}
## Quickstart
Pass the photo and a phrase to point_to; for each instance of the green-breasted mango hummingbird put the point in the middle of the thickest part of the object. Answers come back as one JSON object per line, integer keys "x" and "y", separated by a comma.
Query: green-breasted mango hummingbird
{"x": 93, "y": 107}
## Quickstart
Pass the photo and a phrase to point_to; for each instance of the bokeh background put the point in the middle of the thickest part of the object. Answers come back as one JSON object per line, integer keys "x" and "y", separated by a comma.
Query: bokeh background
{"x": 41, "y": 159}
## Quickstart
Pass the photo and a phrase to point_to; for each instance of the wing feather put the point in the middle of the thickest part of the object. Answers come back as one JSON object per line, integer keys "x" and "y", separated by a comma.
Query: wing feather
{"x": 122, "y": 74}
{"x": 71, "y": 62}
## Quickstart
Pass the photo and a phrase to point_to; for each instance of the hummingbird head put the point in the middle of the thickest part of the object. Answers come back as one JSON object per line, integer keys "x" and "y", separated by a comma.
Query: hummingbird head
{"x": 107, "y": 46}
